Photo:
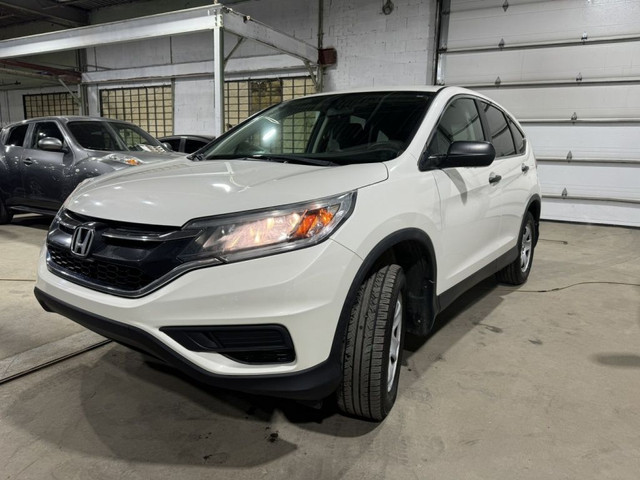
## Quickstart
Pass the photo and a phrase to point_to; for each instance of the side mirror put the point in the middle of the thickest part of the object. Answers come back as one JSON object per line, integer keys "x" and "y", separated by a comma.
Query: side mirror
{"x": 469, "y": 154}
{"x": 168, "y": 146}
{"x": 462, "y": 154}
{"x": 50, "y": 144}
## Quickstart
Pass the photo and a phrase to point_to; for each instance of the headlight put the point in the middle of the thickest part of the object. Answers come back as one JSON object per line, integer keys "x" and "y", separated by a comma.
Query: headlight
{"x": 121, "y": 158}
{"x": 256, "y": 234}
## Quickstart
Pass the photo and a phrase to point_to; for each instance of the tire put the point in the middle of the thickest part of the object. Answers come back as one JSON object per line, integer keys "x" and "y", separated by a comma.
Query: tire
{"x": 517, "y": 272}
{"x": 372, "y": 349}
{"x": 5, "y": 214}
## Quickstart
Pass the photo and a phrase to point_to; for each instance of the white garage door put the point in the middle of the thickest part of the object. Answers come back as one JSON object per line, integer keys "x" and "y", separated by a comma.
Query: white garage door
{"x": 569, "y": 70}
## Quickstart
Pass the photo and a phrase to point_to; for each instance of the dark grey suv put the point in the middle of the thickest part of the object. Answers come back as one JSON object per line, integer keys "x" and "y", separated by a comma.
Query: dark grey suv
{"x": 43, "y": 159}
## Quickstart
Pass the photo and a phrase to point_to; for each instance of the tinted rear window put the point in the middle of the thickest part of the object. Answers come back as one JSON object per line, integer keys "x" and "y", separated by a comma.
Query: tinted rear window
{"x": 16, "y": 136}
{"x": 499, "y": 132}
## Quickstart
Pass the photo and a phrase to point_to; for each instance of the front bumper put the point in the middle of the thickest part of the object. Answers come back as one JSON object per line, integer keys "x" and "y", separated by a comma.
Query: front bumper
{"x": 312, "y": 384}
{"x": 304, "y": 291}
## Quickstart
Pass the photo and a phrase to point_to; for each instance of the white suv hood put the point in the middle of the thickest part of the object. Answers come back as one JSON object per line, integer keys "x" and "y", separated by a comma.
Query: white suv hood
{"x": 180, "y": 190}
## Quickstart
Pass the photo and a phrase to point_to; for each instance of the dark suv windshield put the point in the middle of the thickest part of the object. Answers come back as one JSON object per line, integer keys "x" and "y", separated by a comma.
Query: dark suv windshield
{"x": 113, "y": 136}
{"x": 340, "y": 129}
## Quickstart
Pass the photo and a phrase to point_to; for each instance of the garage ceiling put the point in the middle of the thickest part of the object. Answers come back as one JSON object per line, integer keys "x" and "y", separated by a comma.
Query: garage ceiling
{"x": 67, "y": 13}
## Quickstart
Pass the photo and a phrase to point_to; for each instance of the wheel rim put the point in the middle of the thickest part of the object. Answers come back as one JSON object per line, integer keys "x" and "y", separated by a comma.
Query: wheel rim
{"x": 394, "y": 348}
{"x": 525, "y": 250}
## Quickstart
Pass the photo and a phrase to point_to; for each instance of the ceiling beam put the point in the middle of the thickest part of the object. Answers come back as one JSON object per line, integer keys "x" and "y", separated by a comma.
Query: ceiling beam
{"x": 246, "y": 27}
{"x": 43, "y": 70}
{"x": 64, "y": 15}
{"x": 24, "y": 74}
{"x": 165, "y": 24}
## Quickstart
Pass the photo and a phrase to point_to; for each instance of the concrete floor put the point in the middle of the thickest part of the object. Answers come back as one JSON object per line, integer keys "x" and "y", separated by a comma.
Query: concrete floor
{"x": 539, "y": 382}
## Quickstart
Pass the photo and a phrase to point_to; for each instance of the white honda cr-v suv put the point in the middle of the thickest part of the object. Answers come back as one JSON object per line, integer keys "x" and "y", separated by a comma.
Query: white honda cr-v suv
{"x": 291, "y": 256}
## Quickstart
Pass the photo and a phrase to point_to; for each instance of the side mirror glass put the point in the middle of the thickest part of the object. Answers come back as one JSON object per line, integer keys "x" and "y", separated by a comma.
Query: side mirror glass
{"x": 50, "y": 144}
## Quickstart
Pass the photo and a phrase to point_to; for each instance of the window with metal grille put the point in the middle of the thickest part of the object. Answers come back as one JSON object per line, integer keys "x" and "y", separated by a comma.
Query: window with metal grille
{"x": 46, "y": 104}
{"x": 149, "y": 107}
{"x": 243, "y": 98}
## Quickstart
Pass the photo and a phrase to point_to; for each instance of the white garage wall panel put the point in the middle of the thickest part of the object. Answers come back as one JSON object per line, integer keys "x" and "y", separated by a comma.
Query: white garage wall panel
{"x": 483, "y": 23}
{"x": 570, "y": 71}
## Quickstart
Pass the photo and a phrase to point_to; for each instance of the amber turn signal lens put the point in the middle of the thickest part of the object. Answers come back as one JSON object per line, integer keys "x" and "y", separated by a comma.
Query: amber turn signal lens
{"x": 313, "y": 221}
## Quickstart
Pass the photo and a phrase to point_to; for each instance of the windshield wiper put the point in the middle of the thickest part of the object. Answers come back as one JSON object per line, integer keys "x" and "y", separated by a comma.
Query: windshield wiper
{"x": 198, "y": 157}
{"x": 266, "y": 157}
{"x": 276, "y": 157}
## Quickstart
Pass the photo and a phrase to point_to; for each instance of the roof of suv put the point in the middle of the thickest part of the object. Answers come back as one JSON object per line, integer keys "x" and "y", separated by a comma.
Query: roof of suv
{"x": 68, "y": 118}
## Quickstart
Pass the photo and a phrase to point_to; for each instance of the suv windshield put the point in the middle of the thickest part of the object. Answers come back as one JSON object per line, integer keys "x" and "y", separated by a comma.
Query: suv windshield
{"x": 113, "y": 136}
{"x": 329, "y": 129}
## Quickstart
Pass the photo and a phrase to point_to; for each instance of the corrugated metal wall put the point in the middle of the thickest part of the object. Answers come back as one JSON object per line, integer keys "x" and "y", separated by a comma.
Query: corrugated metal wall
{"x": 570, "y": 72}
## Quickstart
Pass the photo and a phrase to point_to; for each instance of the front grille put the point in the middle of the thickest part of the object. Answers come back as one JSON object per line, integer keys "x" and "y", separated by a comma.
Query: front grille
{"x": 108, "y": 274}
{"x": 124, "y": 259}
{"x": 253, "y": 344}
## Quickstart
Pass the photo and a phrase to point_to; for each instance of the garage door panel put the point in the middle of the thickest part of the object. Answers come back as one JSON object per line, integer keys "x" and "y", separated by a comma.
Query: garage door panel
{"x": 562, "y": 64}
{"x": 539, "y": 22}
{"x": 588, "y": 102}
{"x": 577, "y": 98}
{"x": 591, "y": 211}
{"x": 585, "y": 142}
{"x": 590, "y": 180}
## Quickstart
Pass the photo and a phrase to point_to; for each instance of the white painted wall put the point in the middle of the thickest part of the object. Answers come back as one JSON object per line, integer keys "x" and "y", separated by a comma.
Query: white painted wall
{"x": 193, "y": 106}
{"x": 378, "y": 49}
{"x": 373, "y": 48}
{"x": 12, "y": 106}
{"x": 5, "y": 110}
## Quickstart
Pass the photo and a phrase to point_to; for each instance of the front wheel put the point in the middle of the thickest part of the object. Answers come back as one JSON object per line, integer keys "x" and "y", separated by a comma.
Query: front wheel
{"x": 517, "y": 272}
{"x": 373, "y": 346}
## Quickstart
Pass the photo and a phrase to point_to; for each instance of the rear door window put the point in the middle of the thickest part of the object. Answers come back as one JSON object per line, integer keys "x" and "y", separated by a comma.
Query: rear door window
{"x": 499, "y": 132}
{"x": 16, "y": 136}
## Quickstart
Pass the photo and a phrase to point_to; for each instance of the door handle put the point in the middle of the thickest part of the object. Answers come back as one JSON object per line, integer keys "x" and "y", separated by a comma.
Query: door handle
{"x": 27, "y": 161}
{"x": 493, "y": 178}
{"x": 525, "y": 168}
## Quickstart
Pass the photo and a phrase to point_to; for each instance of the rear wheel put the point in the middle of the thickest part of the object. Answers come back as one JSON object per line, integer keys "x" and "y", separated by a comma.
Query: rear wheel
{"x": 373, "y": 346}
{"x": 516, "y": 273}
{"x": 5, "y": 214}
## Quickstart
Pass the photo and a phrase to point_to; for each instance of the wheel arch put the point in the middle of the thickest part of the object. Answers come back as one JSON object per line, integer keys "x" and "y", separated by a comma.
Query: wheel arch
{"x": 413, "y": 250}
{"x": 535, "y": 206}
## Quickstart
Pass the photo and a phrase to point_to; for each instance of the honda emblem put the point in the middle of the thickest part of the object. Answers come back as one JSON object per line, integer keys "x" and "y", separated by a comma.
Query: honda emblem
{"x": 82, "y": 240}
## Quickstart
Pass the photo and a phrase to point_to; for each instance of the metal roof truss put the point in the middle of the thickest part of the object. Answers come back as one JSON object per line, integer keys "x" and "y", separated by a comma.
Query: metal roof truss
{"x": 216, "y": 18}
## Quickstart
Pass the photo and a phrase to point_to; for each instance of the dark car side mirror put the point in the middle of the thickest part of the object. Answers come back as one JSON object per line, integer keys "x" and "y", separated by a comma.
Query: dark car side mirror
{"x": 461, "y": 154}
{"x": 50, "y": 144}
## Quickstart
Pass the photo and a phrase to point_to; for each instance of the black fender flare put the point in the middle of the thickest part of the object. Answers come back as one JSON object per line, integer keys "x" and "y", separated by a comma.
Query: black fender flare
{"x": 369, "y": 262}
{"x": 535, "y": 198}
